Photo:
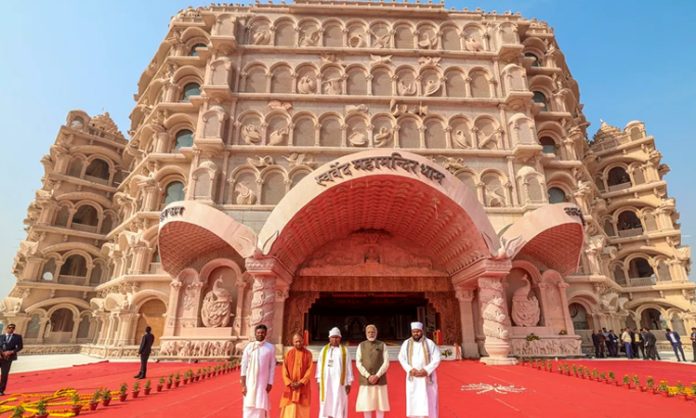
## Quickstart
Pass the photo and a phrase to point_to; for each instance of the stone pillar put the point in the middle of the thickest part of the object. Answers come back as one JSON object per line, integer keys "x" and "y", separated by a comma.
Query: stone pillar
{"x": 496, "y": 321}
{"x": 42, "y": 330}
{"x": 469, "y": 346}
{"x": 263, "y": 301}
{"x": 172, "y": 307}
{"x": 125, "y": 328}
{"x": 237, "y": 323}
{"x": 570, "y": 329}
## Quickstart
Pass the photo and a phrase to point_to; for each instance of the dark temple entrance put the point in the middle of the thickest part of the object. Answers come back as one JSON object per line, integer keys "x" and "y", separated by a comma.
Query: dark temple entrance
{"x": 392, "y": 313}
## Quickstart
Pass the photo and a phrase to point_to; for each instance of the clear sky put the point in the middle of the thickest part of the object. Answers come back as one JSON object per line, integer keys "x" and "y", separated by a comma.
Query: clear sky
{"x": 633, "y": 59}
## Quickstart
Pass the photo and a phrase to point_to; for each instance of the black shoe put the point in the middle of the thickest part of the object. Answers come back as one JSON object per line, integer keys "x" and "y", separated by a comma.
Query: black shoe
{"x": 137, "y": 376}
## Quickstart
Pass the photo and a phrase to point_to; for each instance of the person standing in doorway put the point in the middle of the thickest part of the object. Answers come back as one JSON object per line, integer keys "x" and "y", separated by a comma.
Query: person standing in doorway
{"x": 11, "y": 345}
{"x": 144, "y": 351}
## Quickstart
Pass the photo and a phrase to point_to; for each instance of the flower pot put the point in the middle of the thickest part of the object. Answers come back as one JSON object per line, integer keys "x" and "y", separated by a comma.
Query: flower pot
{"x": 643, "y": 389}
{"x": 76, "y": 409}
{"x": 93, "y": 405}
{"x": 135, "y": 393}
{"x": 147, "y": 391}
{"x": 185, "y": 381}
{"x": 176, "y": 384}
{"x": 106, "y": 402}
{"x": 122, "y": 397}
{"x": 169, "y": 385}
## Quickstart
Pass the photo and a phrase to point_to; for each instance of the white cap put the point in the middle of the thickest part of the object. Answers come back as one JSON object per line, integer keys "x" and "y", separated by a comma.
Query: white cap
{"x": 335, "y": 332}
{"x": 417, "y": 325}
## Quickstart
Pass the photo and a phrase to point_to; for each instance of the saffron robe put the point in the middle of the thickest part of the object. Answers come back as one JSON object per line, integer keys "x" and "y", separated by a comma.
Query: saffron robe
{"x": 333, "y": 379}
{"x": 372, "y": 358}
{"x": 258, "y": 366}
{"x": 297, "y": 367}
{"x": 421, "y": 392}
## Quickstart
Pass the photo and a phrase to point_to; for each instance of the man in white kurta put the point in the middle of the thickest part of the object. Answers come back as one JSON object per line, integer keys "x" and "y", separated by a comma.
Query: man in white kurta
{"x": 372, "y": 361}
{"x": 257, "y": 372}
{"x": 334, "y": 375}
{"x": 419, "y": 357}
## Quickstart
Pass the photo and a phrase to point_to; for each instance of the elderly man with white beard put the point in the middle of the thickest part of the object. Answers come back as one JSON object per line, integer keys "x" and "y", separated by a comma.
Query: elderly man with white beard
{"x": 257, "y": 372}
{"x": 420, "y": 356}
{"x": 372, "y": 361}
{"x": 335, "y": 375}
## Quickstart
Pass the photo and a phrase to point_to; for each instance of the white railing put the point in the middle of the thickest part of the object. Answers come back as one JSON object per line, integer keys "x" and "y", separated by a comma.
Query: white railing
{"x": 642, "y": 281}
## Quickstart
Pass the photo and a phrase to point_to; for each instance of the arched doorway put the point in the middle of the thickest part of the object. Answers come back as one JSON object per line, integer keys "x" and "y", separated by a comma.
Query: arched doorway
{"x": 61, "y": 327}
{"x": 151, "y": 314}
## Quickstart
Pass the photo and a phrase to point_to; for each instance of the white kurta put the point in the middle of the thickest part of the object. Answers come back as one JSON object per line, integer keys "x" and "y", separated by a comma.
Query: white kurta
{"x": 335, "y": 403}
{"x": 421, "y": 392}
{"x": 258, "y": 365}
{"x": 372, "y": 397}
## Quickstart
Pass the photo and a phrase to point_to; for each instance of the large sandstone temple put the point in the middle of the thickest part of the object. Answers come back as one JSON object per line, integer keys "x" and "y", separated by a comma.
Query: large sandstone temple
{"x": 336, "y": 163}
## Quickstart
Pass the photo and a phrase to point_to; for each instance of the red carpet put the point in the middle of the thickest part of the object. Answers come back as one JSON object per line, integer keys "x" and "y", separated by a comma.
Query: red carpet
{"x": 546, "y": 394}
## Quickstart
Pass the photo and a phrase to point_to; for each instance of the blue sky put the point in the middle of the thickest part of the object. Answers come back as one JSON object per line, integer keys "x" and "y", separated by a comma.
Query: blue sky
{"x": 633, "y": 60}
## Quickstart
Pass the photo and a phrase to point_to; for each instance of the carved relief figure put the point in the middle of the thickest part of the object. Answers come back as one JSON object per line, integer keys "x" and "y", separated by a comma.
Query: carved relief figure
{"x": 494, "y": 319}
{"x": 307, "y": 84}
{"x": 333, "y": 86}
{"x": 261, "y": 35}
{"x": 382, "y": 40}
{"x": 472, "y": 44}
{"x": 432, "y": 86}
{"x": 278, "y": 136}
{"x": 460, "y": 139}
{"x": 217, "y": 305}
{"x": 245, "y": 196}
{"x": 383, "y": 137}
{"x": 357, "y": 39}
{"x": 525, "y": 306}
{"x": 251, "y": 134}
{"x": 309, "y": 36}
{"x": 358, "y": 138}
{"x": 427, "y": 40}
{"x": 406, "y": 88}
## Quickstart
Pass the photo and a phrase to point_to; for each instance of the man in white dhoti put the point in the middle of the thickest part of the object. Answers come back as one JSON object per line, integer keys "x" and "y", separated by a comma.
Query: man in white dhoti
{"x": 372, "y": 361}
{"x": 335, "y": 375}
{"x": 257, "y": 372}
{"x": 419, "y": 357}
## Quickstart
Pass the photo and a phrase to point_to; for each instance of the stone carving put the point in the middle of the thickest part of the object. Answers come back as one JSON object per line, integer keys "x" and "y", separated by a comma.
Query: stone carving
{"x": 382, "y": 40}
{"x": 405, "y": 88}
{"x": 383, "y": 137}
{"x": 333, "y": 86}
{"x": 262, "y": 302}
{"x": 525, "y": 306}
{"x": 429, "y": 61}
{"x": 278, "y": 136}
{"x": 217, "y": 306}
{"x": 380, "y": 59}
{"x": 427, "y": 40}
{"x": 309, "y": 37}
{"x": 551, "y": 347}
{"x": 357, "y": 39}
{"x": 300, "y": 159}
{"x": 432, "y": 87}
{"x": 206, "y": 348}
{"x": 357, "y": 108}
{"x": 494, "y": 319}
{"x": 397, "y": 109}
{"x": 251, "y": 134}
{"x": 260, "y": 162}
{"x": 307, "y": 84}
{"x": 261, "y": 35}
{"x": 245, "y": 196}
{"x": 330, "y": 59}
{"x": 472, "y": 44}
{"x": 358, "y": 138}
{"x": 278, "y": 105}
{"x": 460, "y": 139}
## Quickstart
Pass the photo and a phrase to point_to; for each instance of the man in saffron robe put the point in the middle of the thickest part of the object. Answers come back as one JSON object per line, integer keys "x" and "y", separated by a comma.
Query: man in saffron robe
{"x": 420, "y": 356}
{"x": 335, "y": 375}
{"x": 297, "y": 373}
{"x": 372, "y": 361}
{"x": 257, "y": 372}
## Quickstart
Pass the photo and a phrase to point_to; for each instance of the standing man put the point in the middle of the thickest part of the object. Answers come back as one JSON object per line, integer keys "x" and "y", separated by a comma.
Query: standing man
{"x": 144, "y": 351}
{"x": 627, "y": 341}
{"x": 598, "y": 343}
{"x": 419, "y": 356}
{"x": 693, "y": 341}
{"x": 297, "y": 373}
{"x": 650, "y": 344}
{"x": 638, "y": 344}
{"x": 11, "y": 344}
{"x": 334, "y": 375}
{"x": 257, "y": 371}
{"x": 372, "y": 361}
{"x": 674, "y": 339}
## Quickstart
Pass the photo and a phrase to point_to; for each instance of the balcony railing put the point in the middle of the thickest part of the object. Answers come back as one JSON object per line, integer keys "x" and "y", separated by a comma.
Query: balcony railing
{"x": 619, "y": 186}
{"x": 632, "y": 232}
{"x": 76, "y": 280}
{"x": 84, "y": 228}
{"x": 156, "y": 268}
{"x": 642, "y": 281}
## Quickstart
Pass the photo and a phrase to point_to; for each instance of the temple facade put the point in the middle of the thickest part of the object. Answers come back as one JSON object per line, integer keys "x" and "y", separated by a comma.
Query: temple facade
{"x": 321, "y": 164}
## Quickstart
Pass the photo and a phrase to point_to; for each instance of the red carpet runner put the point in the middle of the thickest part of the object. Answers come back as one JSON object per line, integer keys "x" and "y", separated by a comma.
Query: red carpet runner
{"x": 546, "y": 394}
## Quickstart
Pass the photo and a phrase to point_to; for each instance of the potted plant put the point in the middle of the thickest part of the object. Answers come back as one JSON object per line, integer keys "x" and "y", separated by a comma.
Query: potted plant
{"x": 123, "y": 392}
{"x": 636, "y": 381}
{"x": 177, "y": 379}
{"x": 160, "y": 384}
{"x": 148, "y": 387}
{"x": 106, "y": 396}
{"x": 603, "y": 377}
{"x": 663, "y": 388}
{"x": 612, "y": 377}
{"x": 188, "y": 374}
{"x": 627, "y": 381}
{"x": 94, "y": 401}
{"x": 693, "y": 390}
{"x": 681, "y": 390}
{"x": 650, "y": 383}
{"x": 595, "y": 374}
{"x": 17, "y": 412}
{"x": 41, "y": 411}
{"x": 76, "y": 405}
{"x": 198, "y": 375}
{"x": 136, "y": 390}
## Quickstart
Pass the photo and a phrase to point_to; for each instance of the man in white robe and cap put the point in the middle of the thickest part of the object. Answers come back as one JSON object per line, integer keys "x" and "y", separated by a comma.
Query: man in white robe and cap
{"x": 420, "y": 356}
{"x": 257, "y": 372}
{"x": 335, "y": 375}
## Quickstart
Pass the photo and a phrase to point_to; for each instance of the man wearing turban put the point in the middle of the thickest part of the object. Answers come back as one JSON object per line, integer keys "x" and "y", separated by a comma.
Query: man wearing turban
{"x": 419, "y": 356}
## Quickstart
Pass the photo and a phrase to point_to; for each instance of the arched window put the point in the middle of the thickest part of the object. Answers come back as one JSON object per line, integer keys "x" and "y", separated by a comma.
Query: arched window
{"x": 48, "y": 270}
{"x": 107, "y": 224}
{"x": 639, "y": 267}
{"x": 618, "y": 179}
{"x": 556, "y": 195}
{"x": 75, "y": 265}
{"x": 83, "y": 327}
{"x": 578, "y": 313}
{"x": 651, "y": 319}
{"x": 629, "y": 224}
{"x": 190, "y": 89}
{"x": 96, "y": 275}
{"x": 535, "y": 62}
{"x": 540, "y": 98}
{"x": 86, "y": 215}
{"x": 184, "y": 138}
{"x": 194, "y": 52}
{"x": 548, "y": 145}
{"x": 62, "y": 320}
{"x": 174, "y": 192}
{"x": 33, "y": 327}
{"x": 63, "y": 216}
{"x": 98, "y": 169}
